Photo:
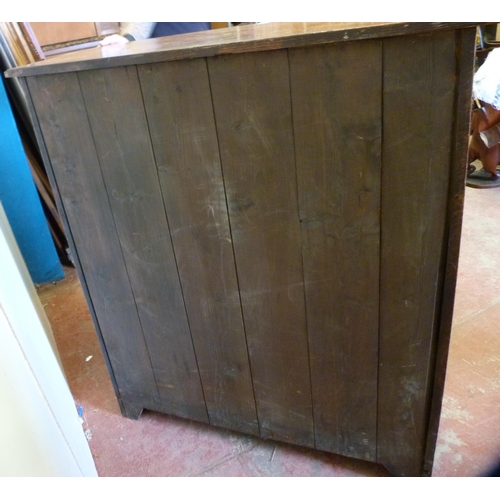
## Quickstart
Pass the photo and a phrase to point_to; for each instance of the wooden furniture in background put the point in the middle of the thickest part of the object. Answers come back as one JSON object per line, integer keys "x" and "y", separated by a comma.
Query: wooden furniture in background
{"x": 52, "y": 33}
{"x": 266, "y": 222}
{"x": 56, "y": 38}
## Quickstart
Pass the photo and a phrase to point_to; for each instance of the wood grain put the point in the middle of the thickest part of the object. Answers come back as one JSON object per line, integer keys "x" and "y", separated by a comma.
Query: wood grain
{"x": 286, "y": 221}
{"x": 240, "y": 39}
{"x": 419, "y": 79}
{"x": 69, "y": 235}
{"x": 67, "y": 135}
{"x": 116, "y": 113}
{"x": 336, "y": 98}
{"x": 181, "y": 120}
{"x": 251, "y": 96}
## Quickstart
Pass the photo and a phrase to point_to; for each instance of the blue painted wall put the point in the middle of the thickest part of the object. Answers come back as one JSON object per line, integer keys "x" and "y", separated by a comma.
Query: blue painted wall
{"x": 21, "y": 202}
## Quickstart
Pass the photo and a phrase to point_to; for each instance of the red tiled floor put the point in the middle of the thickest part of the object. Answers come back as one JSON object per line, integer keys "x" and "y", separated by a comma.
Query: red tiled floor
{"x": 159, "y": 445}
{"x": 478, "y": 277}
{"x": 468, "y": 441}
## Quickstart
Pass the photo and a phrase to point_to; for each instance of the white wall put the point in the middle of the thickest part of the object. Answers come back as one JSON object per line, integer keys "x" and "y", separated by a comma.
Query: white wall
{"x": 40, "y": 431}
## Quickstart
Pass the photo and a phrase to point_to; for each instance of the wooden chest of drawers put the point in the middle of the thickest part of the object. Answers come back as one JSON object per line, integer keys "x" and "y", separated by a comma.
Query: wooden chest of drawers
{"x": 266, "y": 222}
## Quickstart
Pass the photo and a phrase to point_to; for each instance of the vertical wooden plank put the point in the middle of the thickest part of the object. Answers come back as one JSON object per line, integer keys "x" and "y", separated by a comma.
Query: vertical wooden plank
{"x": 116, "y": 113}
{"x": 337, "y": 115}
{"x": 251, "y": 95}
{"x": 419, "y": 86}
{"x": 465, "y": 51}
{"x": 69, "y": 235}
{"x": 63, "y": 119}
{"x": 179, "y": 110}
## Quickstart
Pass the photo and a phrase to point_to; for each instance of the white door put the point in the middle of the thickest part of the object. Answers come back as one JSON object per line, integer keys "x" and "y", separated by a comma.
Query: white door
{"x": 40, "y": 431}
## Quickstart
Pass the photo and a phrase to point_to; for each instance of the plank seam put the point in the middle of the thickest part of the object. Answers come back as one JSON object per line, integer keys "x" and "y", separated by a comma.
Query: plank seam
{"x": 117, "y": 235}
{"x": 172, "y": 243}
{"x": 232, "y": 247}
{"x": 70, "y": 238}
{"x": 301, "y": 251}
{"x": 382, "y": 60}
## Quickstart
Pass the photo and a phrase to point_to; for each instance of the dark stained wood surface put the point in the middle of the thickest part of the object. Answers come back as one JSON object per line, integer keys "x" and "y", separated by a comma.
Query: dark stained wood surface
{"x": 69, "y": 236}
{"x": 337, "y": 115}
{"x": 116, "y": 114}
{"x": 181, "y": 121}
{"x": 276, "y": 232}
{"x": 250, "y": 38}
{"x": 251, "y": 96}
{"x": 418, "y": 100}
{"x": 465, "y": 43}
{"x": 67, "y": 135}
